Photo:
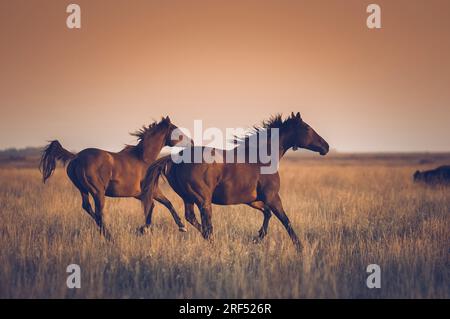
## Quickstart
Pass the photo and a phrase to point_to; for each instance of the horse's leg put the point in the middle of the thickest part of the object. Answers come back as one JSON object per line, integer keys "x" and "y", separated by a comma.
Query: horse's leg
{"x": 78, "y": 178}
{"x": 86, "y": 204}
{"x": 88, "y": 208}
{"x": 206, "y": 214}
{"x": 99, "y": 199}
{"x": 189, "y": 214}
{"x": 277, "y": 208}
{"x": 259, "y": 205}
{"x": 163, "y": 200}
{"x": 148, "y": 219}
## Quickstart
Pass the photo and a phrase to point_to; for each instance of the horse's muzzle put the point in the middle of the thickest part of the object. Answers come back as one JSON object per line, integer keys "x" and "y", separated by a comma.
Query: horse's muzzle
{"x": 325, "y": 149}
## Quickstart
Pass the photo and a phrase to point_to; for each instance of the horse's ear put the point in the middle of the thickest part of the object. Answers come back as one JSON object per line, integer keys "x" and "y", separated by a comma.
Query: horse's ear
{"x": 297, "y": 115}
{"x": 292, "y": 114}
{"x": 165, "y": 120}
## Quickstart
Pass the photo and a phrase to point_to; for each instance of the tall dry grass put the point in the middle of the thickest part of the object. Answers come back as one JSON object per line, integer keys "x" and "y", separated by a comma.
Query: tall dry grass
{"x": 346, "y": 216}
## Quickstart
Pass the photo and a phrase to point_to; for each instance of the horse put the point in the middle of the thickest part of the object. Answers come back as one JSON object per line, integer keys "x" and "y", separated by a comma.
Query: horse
{"x": 223, "y": 183}
{"x": 437, "y": 176}
{"x": 101, "y": 173}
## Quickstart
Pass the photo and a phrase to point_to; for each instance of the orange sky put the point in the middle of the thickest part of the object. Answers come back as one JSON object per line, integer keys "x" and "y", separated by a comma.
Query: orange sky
{"x": 230, "y": 63}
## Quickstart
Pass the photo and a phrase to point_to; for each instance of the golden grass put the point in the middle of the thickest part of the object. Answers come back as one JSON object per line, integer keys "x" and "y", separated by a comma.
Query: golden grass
{"x": 346, "y": 216}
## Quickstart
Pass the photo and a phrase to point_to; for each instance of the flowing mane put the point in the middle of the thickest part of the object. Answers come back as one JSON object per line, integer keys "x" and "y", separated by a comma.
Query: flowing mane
{"x": 145, "y": 130}
{"x": 142, "y": 134}
{"x": 275, "y": 121}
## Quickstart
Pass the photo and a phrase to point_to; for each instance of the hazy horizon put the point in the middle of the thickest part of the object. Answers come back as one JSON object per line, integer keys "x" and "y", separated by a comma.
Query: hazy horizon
{"x": 230, "y": 64}
{"x": 299, "y": 152}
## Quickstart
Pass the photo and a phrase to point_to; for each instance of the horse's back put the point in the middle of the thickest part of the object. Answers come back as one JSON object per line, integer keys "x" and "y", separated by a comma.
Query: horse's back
{"x": 94, "y": 160}
{"x": 445, "y": 169}
{"x": 439, "y": 175}
{"x": 443, "y": 173}
{"x": 92, "y": 152}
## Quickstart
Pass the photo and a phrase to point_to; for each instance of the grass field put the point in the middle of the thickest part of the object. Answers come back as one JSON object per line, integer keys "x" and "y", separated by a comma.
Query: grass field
{"x": 347, "y": 214}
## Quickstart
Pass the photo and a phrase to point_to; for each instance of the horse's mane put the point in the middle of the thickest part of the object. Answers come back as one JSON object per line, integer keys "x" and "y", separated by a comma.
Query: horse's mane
{"x": 141, "y": 135}
{"x": 144, "y": 131}
{"x": 275, "y": 121}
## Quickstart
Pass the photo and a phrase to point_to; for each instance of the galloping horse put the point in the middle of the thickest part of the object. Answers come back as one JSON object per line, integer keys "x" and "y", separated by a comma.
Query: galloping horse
{"x": 224, "y": 183}
{"x": 101, "y": 173}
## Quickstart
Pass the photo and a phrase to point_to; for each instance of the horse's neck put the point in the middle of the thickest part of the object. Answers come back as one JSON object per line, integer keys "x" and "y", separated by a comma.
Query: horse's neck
{"x": 151, "y": 149}
{"x": 283, "y": 144}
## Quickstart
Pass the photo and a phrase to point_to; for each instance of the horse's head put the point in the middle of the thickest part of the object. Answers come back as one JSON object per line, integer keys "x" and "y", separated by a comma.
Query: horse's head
{"x": 417, "y": 176}
{"x": 304, "y": 136}
{"x": 174, "y": 135}
{"x": 154, "y": 137}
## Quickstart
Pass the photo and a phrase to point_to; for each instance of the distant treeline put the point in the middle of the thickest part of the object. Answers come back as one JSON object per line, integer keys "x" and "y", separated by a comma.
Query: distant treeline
{"x": 30, "y": 156}
{"x": 14, "y": 153}
{"x": 24, "y": 157}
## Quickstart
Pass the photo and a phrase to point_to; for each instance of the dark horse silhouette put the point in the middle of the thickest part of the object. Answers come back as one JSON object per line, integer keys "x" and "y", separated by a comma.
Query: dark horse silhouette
{"x": 225, "y": 183}
{"x": 101, "y": 173}
{"x": 437, "y": 176}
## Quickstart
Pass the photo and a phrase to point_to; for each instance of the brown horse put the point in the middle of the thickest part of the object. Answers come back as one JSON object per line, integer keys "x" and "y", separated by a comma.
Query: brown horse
{"x": 101, "y": 173}
{"x": 224, "y": 183}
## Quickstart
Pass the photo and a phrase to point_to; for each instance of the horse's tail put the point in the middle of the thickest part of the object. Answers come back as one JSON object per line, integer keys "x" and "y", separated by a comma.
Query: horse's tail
{"x": 159, "y": 167}
{"x": 52, "y": 153}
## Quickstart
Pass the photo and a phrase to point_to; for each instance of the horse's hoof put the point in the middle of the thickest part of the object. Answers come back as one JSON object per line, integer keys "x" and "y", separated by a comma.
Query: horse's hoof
{"x": 182, "y": 229}
{"x": 106, "y": 235}
{"x": 298, "y": 247}
{"x": 143, "y": 230}
{"x": 109, "y": 238}
{"x": 258, "y": 239}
